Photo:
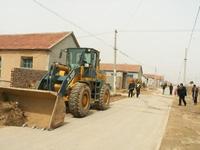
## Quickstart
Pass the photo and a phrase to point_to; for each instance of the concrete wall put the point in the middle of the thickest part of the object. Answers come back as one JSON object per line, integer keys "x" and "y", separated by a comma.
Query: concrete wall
{"x": 119, "y": 79}
{"x": 123, "y": 79}
{"x": 68, "y": 42}
{"x": 11, "y": 59}
{"x": 154, "y": 83}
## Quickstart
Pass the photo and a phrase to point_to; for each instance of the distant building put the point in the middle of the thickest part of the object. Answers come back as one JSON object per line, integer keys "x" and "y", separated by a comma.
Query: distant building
{"x": 144, "y": 80}
{"x": 154, "y": 80}
{"x": 125, "y": 73}
{"x": 32, "y": 51}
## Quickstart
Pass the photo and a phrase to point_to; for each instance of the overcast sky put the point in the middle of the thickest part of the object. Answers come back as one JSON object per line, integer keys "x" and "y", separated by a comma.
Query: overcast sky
{"x": 152, "y": 32}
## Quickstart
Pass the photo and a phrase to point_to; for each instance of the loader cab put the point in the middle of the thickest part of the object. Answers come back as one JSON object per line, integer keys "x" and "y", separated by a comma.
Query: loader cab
{"x": 87, "y": 57}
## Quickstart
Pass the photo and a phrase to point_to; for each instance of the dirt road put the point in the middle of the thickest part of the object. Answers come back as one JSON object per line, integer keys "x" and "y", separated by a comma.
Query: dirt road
{"x": 130, "y": 124}
{"x": 183, "y": 128}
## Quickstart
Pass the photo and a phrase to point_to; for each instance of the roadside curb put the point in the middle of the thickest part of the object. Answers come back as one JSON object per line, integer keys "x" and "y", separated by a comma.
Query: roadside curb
{"x": 162, "y": 133}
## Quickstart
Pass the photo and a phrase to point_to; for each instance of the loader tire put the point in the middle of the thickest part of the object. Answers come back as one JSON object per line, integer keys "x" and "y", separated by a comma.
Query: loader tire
{"x": 104, "y": 100}
{"x": 79, "y": 100}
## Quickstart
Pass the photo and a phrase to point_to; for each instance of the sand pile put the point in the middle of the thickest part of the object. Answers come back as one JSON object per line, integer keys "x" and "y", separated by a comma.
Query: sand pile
{"x": 11, "y": 114}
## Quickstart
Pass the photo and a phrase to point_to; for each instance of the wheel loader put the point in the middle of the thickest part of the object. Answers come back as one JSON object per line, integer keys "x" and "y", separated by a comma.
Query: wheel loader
{"x": 74, "y": 86}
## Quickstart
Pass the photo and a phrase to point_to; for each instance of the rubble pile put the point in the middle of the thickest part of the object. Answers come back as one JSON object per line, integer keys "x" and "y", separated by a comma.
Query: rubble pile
{"x": 11, "y": 114}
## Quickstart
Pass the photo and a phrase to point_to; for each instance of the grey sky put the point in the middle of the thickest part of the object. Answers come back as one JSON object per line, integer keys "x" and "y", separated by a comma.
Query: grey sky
{"x": 165, "y": 50}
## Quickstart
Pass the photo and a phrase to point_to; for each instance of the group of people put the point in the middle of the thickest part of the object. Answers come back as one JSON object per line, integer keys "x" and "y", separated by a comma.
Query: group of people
{"x": 170, "y": 88}
{"x": 182, "y": 93}
{"x": 132, "y": 87}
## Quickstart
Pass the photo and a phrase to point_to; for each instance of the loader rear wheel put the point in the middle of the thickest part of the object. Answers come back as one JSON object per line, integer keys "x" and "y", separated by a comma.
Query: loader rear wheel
{"x": 104, "y": 100}
{"x": 79, "y": 100}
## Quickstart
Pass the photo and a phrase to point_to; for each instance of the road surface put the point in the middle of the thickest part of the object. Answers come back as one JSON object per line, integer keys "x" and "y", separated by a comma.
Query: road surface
{"x": 130, "y": 124}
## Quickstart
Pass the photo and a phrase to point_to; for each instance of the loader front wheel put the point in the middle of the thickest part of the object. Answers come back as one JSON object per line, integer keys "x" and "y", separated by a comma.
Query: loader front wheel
{"x": 104, "y": 100}
{"x": 79, "y": 100}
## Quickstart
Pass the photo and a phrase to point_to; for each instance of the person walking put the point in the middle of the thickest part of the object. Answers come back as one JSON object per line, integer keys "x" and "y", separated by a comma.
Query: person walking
{"x": 195, "y": 92}
{"x": 131, "y": 88}
{"x": 164, "y": 85}
{"x": 176, "y": 90}
{"x": 182, "y": 92}
{"x": 170, "y": 89}
{"x": 138, "y": 86}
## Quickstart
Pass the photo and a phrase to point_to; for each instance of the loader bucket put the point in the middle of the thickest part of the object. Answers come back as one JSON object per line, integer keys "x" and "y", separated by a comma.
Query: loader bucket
{"x": 42, "y": 109}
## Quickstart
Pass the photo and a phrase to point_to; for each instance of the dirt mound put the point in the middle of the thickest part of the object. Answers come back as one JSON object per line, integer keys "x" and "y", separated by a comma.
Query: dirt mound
{"x": 11, "y": 114}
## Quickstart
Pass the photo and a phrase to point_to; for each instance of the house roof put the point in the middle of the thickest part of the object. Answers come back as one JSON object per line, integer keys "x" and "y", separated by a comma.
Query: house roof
{"x": 121, "y": 67}
{"x": 153, "y": 76}
{"x": 36, "y": 41}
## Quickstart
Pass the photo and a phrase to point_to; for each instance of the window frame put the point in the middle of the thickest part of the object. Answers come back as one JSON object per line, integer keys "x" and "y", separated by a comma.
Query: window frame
{"x": 24, "y": 64}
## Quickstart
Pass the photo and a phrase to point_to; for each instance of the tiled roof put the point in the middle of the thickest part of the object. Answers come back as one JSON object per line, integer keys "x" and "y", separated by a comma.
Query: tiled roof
{"x": 153, "y": 76}
{"x": 121, "y": 67}
{"x": 31, "y": 41}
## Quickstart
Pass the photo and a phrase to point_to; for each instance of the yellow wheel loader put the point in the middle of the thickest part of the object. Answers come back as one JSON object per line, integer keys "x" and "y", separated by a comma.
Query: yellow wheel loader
{"x": 74, "y": 86}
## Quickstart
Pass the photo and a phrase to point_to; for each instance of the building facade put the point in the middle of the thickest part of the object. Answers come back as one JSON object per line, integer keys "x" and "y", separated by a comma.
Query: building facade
{"x": 125, "y": 73}
{"x": 154, "y": 80}
{"x": 32, "y": 51}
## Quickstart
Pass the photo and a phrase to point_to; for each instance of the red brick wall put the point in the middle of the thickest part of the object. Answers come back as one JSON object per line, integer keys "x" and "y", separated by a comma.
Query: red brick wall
{"x": 26, "y": 78}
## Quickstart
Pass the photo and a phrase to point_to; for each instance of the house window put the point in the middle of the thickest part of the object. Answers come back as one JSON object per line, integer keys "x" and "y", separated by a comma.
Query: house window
{"x": 0, "y": 66}
{"x": 27, "y": 62}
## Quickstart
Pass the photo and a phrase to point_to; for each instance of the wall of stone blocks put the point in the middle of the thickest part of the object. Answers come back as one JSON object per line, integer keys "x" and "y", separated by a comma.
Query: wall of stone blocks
{"x": 26, "y": 78}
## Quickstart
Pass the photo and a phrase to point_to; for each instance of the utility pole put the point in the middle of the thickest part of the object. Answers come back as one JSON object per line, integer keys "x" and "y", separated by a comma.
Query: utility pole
{"x": 115, "y": 60}
{"x": 189, "y": 44}
{"x": 155, "y": 80}
{"x": 185, "y": 67}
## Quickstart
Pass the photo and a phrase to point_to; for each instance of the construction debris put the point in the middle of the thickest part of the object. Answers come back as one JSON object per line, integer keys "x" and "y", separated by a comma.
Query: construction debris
{"x": 11, "y": 114}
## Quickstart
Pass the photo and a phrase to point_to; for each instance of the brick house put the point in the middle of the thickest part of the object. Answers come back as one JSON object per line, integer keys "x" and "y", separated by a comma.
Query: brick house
{"x": 32, "y": 51}
{"x": 125, "y": 72}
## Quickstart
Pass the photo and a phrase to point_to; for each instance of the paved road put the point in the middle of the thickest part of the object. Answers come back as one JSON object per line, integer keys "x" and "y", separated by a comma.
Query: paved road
{"x": 130, "y": 124}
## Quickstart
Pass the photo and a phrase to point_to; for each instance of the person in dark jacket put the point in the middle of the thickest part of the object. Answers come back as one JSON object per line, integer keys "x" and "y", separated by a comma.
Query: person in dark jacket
{"x": 195, "y": 92}
{"x": 131, "y": 88}
{"x": 176, "y": 90}
{"x": 170, "y": 89}
{"x": 182, "y": 92}
{"x": 164, "y": 85}
{"x": 138, "y": 86}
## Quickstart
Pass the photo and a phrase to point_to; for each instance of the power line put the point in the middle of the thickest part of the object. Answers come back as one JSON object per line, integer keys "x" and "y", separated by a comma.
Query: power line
{"x": 193, "y": 28}
{"x": 162, "y": 30}
{"x": 188, "y": 47}
{"x": 70, "y": 22}
{"x": 82, "y": 29}
{"x": 97, "y": 34}
{"x": 142, "y": 31}
{"x": 134, "y": 60}
{"x": 135, "y": 12}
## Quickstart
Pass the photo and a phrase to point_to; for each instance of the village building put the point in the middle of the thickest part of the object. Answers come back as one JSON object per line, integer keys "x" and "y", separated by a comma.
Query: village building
{"x": 32, "y": 51}
{"x": 154, "y": 80}
{"x": 125, "y": 73}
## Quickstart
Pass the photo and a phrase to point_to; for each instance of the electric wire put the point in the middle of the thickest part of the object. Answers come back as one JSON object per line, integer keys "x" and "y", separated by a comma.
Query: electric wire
{"x": 132, "y": 15}
{"x": 161, "y": 30}
{"x": 193, "y": 28}
{"x": 84, "y": 30}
